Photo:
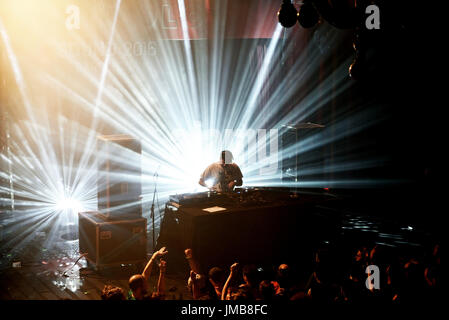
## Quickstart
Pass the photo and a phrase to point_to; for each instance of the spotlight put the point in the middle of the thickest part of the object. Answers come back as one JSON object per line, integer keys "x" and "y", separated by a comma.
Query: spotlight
{"x": 287, "y": 14}
{"x": 308, "y": 16}
{"x": 69, "y": 204}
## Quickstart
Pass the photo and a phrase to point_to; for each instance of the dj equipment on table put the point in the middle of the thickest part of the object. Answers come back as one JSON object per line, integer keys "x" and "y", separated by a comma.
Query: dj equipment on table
{"x": 249, "y": 225}
{"x": 240, "y": 197}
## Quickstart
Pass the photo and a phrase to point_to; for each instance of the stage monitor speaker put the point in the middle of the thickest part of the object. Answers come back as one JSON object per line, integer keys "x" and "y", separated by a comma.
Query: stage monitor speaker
{"x": 119, "y": 177}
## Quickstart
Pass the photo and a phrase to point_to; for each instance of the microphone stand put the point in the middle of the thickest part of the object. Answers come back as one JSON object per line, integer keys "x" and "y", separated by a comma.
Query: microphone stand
{"x": 152, "y": 209}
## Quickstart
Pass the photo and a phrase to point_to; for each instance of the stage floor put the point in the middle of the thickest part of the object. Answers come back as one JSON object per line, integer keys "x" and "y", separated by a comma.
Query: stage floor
{"x": 46, "y": 282}
{"x": 53, "y": 273}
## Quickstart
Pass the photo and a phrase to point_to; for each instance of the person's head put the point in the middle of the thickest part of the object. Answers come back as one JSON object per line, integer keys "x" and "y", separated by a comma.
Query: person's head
{"x": 436, "y": 253}
{"x": 217, "y": 277}
{"x": 380, "y": 256}
{"x": 325, "y": 269}
{"x": 432, "y": 275}
{"x": 226, "y": 157}
{"x": 361, "y": 255}
{"x": 283, "y": 270}
{"x": 112, "y": 293}
{"x": 138, "y": 286}
{"x": 250, "y": 275}
{"x": 241, "y": 294}
{"x": 283, "y": 275}
{"x": 266, "y": 290}
{"x": 323, "y": 256}
{"x": 413, "y": 272}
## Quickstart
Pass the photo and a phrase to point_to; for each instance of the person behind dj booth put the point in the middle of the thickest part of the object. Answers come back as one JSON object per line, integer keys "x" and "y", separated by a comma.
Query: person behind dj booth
{"x": 223, "y": 175}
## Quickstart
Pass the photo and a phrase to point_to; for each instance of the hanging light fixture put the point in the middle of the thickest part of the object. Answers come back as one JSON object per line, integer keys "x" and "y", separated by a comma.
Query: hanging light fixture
{"x": 287, "y": 14}
{"x": 308, "y": 16}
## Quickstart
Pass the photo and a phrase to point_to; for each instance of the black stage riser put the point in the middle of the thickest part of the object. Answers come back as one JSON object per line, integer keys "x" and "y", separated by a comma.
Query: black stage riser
{"x": 265, "y": 234}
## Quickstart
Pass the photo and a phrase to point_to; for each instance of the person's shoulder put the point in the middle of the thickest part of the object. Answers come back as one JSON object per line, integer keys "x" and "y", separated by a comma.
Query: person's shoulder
{"x": 214, "y": 165}
{"x": 236, "y": 168}
{"x": 235, "y": 165}
{"x": 210, "y": 169}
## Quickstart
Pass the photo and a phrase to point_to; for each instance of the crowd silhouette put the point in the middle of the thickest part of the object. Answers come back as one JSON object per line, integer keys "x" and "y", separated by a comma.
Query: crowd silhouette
{"x": 372, "y": 274}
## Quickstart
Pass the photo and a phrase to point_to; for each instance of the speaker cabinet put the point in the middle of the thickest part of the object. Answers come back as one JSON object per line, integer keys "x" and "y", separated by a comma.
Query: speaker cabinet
{"x": 119, "y": 177}
{"x": 109, "y": 243}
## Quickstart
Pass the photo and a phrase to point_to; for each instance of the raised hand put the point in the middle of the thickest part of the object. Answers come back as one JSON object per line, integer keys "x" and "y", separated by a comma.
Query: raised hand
{"x": 234, "y": 267}
{"x": 160, "y": 253}
{"x": 147, "y": 271}
{"x": 188, "y": 253}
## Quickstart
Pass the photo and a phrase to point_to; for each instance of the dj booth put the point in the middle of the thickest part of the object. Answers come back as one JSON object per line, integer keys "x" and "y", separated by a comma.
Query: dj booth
{"x": 256, "y": 225}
